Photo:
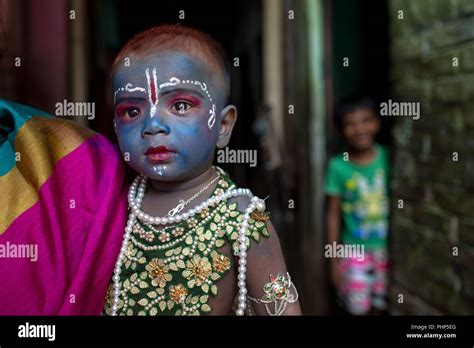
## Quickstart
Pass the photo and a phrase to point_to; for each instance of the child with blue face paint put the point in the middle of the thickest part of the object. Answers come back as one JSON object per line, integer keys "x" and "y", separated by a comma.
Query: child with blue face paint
{"x": 194, "y": 243}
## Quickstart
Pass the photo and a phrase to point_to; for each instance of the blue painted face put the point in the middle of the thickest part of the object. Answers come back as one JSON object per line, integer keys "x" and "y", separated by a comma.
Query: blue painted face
{"x": 164, "y": 107}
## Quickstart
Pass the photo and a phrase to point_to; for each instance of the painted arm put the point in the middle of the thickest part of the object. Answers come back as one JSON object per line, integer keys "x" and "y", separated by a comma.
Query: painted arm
{"x": 264, "y": 259}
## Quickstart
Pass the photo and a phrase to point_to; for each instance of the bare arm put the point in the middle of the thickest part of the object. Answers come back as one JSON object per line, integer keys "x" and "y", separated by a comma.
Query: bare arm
{"x": 265, "y": 258}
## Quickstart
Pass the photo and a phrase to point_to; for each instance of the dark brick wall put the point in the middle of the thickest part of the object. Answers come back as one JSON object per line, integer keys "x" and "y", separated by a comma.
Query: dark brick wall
{"x": 437, "y": 191}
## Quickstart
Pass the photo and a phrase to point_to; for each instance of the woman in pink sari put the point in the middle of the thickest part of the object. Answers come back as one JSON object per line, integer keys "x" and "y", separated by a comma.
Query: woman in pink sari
{"x": 62, "y": 214}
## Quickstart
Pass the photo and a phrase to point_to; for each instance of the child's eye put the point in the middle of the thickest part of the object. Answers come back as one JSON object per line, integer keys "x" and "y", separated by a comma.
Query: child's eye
{"x": 128, "y": 111}
{"x": 132, "y": 112}
{"x": 181, "y": 107}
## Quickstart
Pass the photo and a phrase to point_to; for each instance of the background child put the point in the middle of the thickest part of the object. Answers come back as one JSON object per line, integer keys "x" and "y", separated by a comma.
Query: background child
{"x": 356, "y": 186}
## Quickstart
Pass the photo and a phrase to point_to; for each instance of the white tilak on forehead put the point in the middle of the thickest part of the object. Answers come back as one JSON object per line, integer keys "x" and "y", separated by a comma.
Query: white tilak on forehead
{"x": 172, "y": 82}
{"x": 128, "y": 88}
{"x": 212, "y": 111}
{"x": 152, "y": 91}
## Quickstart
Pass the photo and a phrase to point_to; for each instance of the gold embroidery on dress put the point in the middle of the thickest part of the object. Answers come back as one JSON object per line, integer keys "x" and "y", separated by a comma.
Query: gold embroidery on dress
{"x": 174, "y": 270}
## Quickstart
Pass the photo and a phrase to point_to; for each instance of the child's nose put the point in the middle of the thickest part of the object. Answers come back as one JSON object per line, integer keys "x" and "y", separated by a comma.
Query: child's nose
{"x": 360, "y": 128}
{"x": 156, "y": 124}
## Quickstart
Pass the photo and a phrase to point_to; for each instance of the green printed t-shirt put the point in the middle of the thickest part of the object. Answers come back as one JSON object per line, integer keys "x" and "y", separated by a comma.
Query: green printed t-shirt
{"x": 363, "y": 192}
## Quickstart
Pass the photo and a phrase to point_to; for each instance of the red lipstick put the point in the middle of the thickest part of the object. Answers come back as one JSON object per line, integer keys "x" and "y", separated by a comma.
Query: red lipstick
{"x": 159, "y": 154}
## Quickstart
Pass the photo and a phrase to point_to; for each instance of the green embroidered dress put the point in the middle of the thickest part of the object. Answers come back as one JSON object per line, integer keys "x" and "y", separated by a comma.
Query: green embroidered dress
{"x": 174, "y": 270}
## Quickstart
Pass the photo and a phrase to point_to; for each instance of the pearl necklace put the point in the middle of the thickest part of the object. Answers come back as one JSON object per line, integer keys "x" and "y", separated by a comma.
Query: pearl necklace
{"x": 135, "y": 200}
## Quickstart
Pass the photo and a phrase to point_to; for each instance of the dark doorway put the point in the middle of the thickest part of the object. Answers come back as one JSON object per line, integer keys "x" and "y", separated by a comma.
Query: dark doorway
{"x": 360, "y": 33}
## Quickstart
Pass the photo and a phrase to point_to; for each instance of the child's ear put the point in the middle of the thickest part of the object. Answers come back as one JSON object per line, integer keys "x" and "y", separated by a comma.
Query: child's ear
{"x": 228, "y": 118}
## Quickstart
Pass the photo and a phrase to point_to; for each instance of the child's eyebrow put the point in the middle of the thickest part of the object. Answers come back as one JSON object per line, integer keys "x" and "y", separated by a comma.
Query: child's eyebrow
{"x": 170, "y": 90}
{"x": 123, "y": 98}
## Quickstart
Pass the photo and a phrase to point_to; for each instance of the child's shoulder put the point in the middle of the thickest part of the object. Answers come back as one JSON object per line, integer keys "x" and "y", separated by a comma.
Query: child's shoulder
{"x": 338, "y": 161}
{"x": 383, "y": 150}
{"x": 341, "y": 160}
{"x": 337, "y": 158}
{"x": 257, "y": 226}
{"x": 225, "y": 184}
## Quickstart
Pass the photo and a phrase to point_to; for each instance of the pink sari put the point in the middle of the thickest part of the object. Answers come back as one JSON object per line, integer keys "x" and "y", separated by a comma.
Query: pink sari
{"x": 62, "y": 215}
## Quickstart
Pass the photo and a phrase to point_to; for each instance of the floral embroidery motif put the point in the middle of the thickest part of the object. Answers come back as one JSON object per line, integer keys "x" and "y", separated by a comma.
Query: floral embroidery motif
{"x": 197, "y": 271}
{"x": 220, "y": 262}
{"x": 178, "y": 293}
{"x": 204, "y": 213}
{"x": 192, "y": 222}
{"x": 260, "y": 216}
{"x": 164, "y": 237}
{"x": 173, "y": 270}
{"x": 158, "y": 271}
{"x": 178, "y": 231}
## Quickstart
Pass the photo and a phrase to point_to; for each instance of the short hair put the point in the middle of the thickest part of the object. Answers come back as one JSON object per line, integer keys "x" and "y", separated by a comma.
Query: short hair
{"x": 350, "y": 104}
{"x": 170, "y": 37}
